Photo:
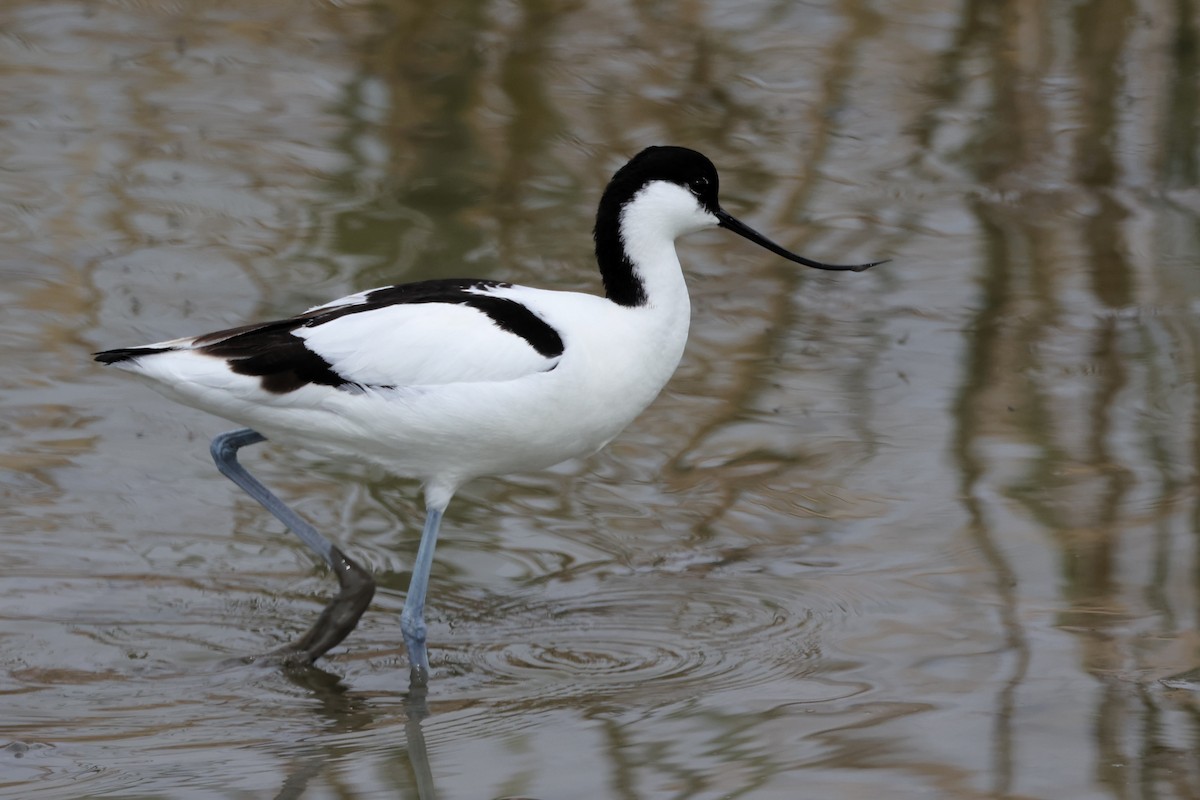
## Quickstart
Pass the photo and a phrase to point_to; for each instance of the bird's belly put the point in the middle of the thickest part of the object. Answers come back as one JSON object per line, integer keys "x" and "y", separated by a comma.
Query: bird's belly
{"x": 455, "y": 432}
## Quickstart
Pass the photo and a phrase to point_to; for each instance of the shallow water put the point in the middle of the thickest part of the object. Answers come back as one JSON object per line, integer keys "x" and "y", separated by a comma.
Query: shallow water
{"x": 926, "y": 531}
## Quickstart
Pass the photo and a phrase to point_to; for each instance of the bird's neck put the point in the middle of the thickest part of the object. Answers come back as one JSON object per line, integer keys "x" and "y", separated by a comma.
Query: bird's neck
{"x": 636, "y": 255}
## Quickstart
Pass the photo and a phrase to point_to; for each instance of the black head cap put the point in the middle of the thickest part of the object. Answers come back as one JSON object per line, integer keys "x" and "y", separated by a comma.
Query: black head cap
{"x": 678, "y": 165}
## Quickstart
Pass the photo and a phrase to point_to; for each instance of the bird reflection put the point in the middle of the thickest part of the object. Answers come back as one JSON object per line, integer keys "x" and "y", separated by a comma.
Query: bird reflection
{"x": 349, "y": 712}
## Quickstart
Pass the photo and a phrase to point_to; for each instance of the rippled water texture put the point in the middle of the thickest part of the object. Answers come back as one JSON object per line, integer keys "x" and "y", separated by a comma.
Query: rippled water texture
{"x": 926, "y": 531}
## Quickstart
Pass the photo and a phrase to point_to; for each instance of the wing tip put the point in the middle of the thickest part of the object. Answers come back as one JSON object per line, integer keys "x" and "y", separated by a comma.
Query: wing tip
{"x": 123, "y": 354}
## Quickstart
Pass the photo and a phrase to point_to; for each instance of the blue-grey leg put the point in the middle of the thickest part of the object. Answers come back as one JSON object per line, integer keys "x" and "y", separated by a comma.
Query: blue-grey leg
{"x": 412, "y": 619}
{"x": 357, "y": 587}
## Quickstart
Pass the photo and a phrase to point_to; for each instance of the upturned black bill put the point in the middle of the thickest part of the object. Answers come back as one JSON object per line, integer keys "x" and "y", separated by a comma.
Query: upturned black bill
{"x": 741, "y": 229}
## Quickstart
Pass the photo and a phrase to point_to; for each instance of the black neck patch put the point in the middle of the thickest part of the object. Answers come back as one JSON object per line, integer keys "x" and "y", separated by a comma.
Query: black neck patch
{"x": 621, "y": 283}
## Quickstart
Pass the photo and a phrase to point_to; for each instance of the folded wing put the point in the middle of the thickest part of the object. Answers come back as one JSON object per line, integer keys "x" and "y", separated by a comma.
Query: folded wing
{"x": 418, "y": 334}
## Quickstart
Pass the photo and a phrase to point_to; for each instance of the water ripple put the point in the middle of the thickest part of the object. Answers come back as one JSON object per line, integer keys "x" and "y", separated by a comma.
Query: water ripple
{"x": 610, "y": 633}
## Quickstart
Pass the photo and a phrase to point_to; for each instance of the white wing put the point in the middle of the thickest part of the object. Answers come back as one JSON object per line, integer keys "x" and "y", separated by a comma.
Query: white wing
{"x": 421, "y": 344}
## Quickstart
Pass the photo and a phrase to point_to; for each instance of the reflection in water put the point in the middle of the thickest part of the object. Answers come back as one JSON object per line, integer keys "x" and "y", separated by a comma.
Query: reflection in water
{"x": 1071, "y": 416}
{"x": 347, "y": 714}
{"x": 931, "y": 537}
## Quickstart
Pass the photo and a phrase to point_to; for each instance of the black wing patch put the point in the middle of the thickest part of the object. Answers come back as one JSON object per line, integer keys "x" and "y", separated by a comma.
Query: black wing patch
{"x": 276, "y": 355}
{"x": 271, "y": 351}
{"x": 508, "y": 315}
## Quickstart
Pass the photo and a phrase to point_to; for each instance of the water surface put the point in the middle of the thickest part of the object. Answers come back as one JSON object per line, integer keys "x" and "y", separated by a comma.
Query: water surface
{"x": 927, "y": 531}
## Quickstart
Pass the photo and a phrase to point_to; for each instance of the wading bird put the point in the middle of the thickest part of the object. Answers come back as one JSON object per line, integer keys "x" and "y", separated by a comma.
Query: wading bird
{"x": 449, "y": 380}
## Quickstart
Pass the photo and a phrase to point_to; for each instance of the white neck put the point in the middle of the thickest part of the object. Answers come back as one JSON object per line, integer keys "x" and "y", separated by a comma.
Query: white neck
{"x": 649, "y": 225}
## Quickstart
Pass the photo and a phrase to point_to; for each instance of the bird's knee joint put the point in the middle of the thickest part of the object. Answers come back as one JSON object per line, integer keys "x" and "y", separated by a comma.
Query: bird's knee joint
{"x": 220, "y": 449}
{"x": 413, "y": 627}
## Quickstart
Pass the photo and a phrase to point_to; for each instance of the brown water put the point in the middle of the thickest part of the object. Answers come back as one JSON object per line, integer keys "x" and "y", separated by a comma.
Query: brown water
{"x": 928, "y": 531}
